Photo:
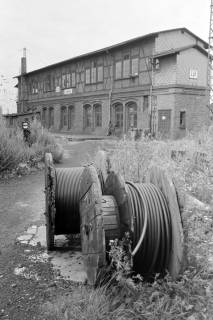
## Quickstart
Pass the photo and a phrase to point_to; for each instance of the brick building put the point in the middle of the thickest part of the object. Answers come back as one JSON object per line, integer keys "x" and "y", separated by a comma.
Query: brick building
{"x": 157, "y": 81}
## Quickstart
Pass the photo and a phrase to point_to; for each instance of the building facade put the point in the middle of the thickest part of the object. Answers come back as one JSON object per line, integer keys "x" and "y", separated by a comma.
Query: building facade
{"x": 156, "y": 82}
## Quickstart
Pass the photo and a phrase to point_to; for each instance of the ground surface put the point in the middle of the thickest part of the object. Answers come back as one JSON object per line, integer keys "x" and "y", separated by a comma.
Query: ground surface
{"x": 26, "y": 283}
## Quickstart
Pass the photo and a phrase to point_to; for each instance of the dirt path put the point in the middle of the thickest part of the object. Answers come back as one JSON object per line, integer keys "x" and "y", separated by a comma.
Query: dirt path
{"x": 28, "y": 283}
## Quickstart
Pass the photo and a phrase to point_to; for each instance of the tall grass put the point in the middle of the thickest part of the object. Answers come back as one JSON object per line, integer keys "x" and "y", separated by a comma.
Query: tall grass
{"x": 12, "y": 147}
{"x": 13, "y": 150}
{"x": 191, "y": 295}
{"x": 191, "y": 169}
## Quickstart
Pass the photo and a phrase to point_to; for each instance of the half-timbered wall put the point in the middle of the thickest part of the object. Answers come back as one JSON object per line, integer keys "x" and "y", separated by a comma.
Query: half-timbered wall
{"x": 84, "y": 94}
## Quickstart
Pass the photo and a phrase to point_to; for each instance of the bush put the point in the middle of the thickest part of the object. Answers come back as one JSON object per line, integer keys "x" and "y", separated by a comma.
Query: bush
{"x": 42, "y": 141}
{"x": 13, "y": 150}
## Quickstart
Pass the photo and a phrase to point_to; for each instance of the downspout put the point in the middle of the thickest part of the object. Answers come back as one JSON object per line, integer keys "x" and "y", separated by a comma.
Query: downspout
{"x": 111, "y": 87}
{"x": 151, "y": 124}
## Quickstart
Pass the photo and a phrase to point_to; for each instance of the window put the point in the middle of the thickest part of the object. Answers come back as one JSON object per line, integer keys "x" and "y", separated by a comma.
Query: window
{"x": 64, "y": 81}
{"x": 126, "y": 66}
{"x": 58, "y": 81}
{"x": 134, "y": 67}
{"x": 100, "y": 73}
{"x": 68, "y": 82}
{"x": 51, "y": 117}
{"x": 35, "y": 87}
{"x": 119, "y": 115}
{"x": 97, "y": 115}
{"x": 156, "y": 64}
{"x": 118, "y": 70}
{"x": 87, "y": 76}
{"x": 73, "y": 79}
{"x": 183, "y": 119}
{"x": 93, "y": 75}
{"x": 47, "y": 83}
{"x": 145, "y": 103}
{"x": 44, "y": 117}
{"x": 132, "y": 115}
{"x": 87, "y": 116}
{"x": 63, "y": 117}
{"x": 71, "y": 117}
{"x": 154, "y": 102}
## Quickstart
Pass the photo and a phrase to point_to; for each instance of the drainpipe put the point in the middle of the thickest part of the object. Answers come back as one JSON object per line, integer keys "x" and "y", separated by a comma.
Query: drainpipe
{"x": 151, "y": 124}
{"x": 111, "y": 87}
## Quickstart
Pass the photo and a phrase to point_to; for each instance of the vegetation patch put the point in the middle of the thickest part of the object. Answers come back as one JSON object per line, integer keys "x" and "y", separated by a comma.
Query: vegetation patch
{"x": 14, "y": 151}
{"x": 124, "y": 296}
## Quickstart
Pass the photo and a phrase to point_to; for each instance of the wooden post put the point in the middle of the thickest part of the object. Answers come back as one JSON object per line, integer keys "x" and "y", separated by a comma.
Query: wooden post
{"x": 50, "y": 184}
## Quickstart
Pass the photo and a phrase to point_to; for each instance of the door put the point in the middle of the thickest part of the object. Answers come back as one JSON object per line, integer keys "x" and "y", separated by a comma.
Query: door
{"x": 164, "y": 123}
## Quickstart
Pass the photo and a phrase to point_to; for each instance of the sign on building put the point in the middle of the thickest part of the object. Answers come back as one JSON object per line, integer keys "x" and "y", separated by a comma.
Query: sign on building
{"x": 193, "y": 74}
{"x": 68, "y": 91}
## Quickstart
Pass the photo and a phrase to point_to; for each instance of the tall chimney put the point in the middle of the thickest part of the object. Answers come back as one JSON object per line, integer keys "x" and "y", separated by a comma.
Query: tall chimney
{"x": 24, "y": 62}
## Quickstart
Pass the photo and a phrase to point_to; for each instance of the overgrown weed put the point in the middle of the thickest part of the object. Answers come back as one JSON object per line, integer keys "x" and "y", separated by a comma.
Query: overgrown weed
{"x": 191, "y": 295}
{"x": 13, "y": 150}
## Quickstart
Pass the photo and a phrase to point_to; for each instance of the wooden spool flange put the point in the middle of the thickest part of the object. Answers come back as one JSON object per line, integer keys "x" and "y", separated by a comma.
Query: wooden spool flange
{"x": 103, "y": 165}
{"x": 99, "y": 222}
{"x": 161, "y": 180}
{"x": 50, "y": 184}
{"x": 115, "y": 186}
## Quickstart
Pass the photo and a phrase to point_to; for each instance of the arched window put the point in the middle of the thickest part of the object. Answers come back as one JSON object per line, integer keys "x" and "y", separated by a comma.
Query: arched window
{"x": 71, "y": 117}
{"x": 63, "y": 117}
{"x": 131, "y": 115}
{"x": 44, "y": 117}
{"x": 87, "y": 116}
{"x": 118, "y": 108}
{"x": 97, "y": 115}
{"x": 51, "y": 117}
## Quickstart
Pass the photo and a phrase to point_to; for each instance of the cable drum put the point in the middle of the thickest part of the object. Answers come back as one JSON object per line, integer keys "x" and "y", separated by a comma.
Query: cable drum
{"x": 67, "y": 217}
{"x": 151, "y": 228}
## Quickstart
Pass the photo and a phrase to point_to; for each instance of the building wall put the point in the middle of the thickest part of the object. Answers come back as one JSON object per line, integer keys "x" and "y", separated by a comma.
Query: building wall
{"x": 197, "y": 114}
{"x": 167, "y": 73}
{"x": 39, "y": 91}
{"x": 194, "y": 60}
{"x": 174, "y": 39}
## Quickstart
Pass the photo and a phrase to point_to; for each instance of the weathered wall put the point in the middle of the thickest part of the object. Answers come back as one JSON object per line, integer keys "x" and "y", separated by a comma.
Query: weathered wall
{"x": 195, "y": 60}
{"x": 197, "y": 114}
{"x": 173, "y": 39}
{"x": 166, "y": 75}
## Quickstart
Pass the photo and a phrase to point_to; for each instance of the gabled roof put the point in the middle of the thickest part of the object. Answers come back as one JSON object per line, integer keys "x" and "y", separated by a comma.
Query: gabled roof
{"x": 113, "y": 47}
{"x": 177, "y": 50}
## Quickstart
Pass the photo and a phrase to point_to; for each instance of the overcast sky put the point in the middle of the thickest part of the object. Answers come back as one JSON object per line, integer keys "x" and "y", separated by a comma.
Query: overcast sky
{"x": 54, "y": 30}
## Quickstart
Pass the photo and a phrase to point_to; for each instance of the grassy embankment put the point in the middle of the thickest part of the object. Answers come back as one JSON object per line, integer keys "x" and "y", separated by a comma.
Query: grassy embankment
{"x": 191, "y": 296}
{"x": 13, "y": 150}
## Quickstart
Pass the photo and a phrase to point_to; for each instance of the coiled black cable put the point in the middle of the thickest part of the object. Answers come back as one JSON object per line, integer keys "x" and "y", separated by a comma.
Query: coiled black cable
{"x": 151, "y": 228}
{"x": 67, "y": 193}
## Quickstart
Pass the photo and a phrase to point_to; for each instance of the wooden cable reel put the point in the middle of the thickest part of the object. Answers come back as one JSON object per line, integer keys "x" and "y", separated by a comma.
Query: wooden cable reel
{"x": 107, "y": 217}
{"x": 99, "y": 223}
{"x": 115, "y": 185}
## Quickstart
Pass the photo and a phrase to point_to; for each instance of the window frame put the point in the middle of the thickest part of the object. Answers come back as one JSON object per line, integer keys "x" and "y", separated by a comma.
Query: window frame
{"x": 122, "y": 61}
{"x": 97, "y": 114}
{"x": 94, "y": 77}
{"x": 182, "y": 120}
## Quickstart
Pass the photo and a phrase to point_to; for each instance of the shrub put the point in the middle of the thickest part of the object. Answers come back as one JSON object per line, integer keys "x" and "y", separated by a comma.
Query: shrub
{"x": 42, "y": 141}
{"x": 12, "y": 148}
